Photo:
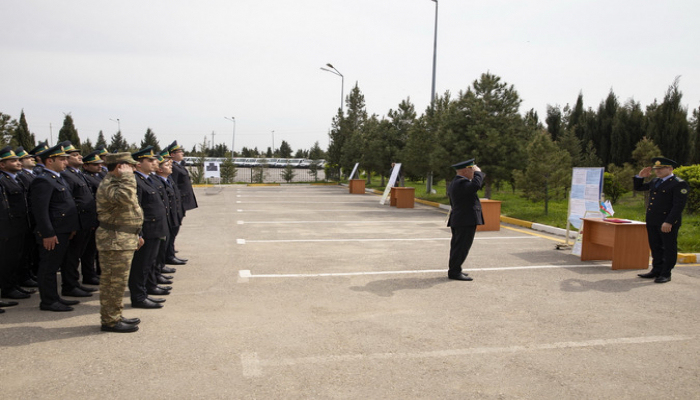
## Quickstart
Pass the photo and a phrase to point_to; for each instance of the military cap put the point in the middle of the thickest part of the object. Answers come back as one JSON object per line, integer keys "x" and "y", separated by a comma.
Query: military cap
{"x": 39, "y": 148}
{"x": 21, "y": 153}
{"x": 7, "y": 154}
{"x": 101, "y": 150}
{"x": 165, "y": 154}
{"x": 117, "y": 158}
{"x": 161, "y": 159}
{"x": 661, "y": 162}
{"x": 68, "y": 147}
{"x": 146, "y": 152}
{"x": 55, "y": 151}
{"x": 464, "y": 164}
{"x": 93, "y": 158}
{"x": 174, "y": 147}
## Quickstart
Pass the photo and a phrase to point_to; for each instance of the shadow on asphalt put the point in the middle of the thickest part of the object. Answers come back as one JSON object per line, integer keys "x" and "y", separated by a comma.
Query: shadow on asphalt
{"x": 26, "y": 335}
{"x": 604, "y": 285}
{"x": 387, "y": 287}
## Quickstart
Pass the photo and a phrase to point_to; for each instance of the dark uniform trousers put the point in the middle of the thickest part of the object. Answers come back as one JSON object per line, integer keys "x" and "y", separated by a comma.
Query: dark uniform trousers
{"x": 70, "y": 277}
{"x": 460, "y": 244}
{"x": 49, "y": 263}
{"x": 663, "y": 247}
{"x": 12, "y": 244}
{"x": 155, "y": 230}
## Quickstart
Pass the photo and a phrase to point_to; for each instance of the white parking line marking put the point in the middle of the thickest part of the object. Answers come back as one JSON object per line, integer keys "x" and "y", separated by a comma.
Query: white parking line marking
{"x": 343, "y": 222}
{"x": 252, "y": 364}
{"x": 246, "y": 273}
{"x": 374, "y": 240}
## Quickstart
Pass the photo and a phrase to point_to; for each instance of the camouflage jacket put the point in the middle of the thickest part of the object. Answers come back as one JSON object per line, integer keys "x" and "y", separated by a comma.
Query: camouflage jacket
{"x": 119, "y": 213}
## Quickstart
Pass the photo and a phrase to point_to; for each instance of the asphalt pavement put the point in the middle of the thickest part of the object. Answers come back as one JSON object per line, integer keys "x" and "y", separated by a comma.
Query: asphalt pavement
{"x": 309, "y": 292}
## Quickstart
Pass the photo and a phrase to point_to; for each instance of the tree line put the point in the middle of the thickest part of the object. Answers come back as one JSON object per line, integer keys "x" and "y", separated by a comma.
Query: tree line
{"x": 484, "y": 121}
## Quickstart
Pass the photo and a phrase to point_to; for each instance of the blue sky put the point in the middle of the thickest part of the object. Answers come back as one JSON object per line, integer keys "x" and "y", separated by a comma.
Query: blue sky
{"x": 179, "y": 67}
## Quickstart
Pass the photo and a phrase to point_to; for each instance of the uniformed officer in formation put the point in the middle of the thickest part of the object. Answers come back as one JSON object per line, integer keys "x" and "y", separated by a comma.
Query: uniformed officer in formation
{"x": 84, "y": 199}
{"x": 668, "y": 195}
{"x": 15, "y": 229}
{"x": 172, "y": 202}
{"x": 4, "y": 235}
{"x": 154, "y": 232}
{"x": 30, "y": 257}
{"x": 56, "y": 217}
{"x": 39, "y": 164}
{"x": 188, "y": 200}
{"x": 117, "y": 238}
{"x": 90, "y": 262}
{"x": 464, "y": 216}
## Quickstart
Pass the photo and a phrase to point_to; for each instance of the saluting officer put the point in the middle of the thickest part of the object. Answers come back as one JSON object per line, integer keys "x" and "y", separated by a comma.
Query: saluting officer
{"x": 87, "y": 213}
{"x": 667, "y": 197}
{"x": 464, "y": 216}
{"x": 154, "y": 231}
{"x": 56, "y": 220}
{"x": 12, "y": 246}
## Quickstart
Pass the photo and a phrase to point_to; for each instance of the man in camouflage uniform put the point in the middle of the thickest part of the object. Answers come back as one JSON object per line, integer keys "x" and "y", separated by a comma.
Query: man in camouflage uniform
{"x": 117, "y": 238}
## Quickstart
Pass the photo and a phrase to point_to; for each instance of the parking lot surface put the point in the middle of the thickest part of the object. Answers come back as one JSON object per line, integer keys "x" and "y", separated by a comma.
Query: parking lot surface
{"x": 308, "y": 292}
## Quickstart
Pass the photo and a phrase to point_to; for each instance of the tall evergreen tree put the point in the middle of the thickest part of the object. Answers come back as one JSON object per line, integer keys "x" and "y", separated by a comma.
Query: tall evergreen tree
{"x": 100, "y": 140}
{"x": 695, "y": 138}
{"x": 577, "y": 120}
{"x": 628, "y": 129}
{"x": 668, "y": 125}
{"x": 351, "y": 129}
{"x": 87, "y": 147}
{"x": 68, "y": 131}
{"x": 118, "y": 143}
{"x": 606, "y": 118}
{"x": 555, "y": 124}
{"x": 149, "y": 139}
{"x": 22, "y": 136}
{"x": 569, "y": 142}
{"x": 315, "y": 153}
{"x": 285, "y": 150}
{"x": 8, "y": 126}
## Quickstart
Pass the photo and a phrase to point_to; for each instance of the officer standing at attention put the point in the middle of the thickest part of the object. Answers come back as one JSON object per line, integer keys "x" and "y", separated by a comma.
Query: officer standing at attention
{"x": 667, "y": 197}
{"x": 30, "y": 259}
{"x": 182, "y": 180}
{"x": 11, "y": 247}
{"x": 154, "y": 231}
{"x": 117, "y": 238}
{"x": 5, "y": 233}
{"x": 39, "y": 164}
{"x": 89, "y": 262}
{"x": 56, "y": 221}
{"x": 464, "y": 216}
{"x": 87, "y": 214}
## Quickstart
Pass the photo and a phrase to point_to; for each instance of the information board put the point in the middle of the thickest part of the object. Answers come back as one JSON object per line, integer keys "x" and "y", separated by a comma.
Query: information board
{"x": 586, "y": 190}
{"x": 390, "y": 184}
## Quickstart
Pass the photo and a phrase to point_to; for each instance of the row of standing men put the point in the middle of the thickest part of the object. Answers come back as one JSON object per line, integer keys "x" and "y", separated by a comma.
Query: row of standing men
{"x": 48, "y": 219}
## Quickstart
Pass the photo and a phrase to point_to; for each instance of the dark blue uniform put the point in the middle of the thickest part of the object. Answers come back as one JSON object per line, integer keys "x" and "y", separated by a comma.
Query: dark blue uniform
{"x": 666, "y": 203}
{"x": 464, "y": 217}
{"x": 12, "y": 245}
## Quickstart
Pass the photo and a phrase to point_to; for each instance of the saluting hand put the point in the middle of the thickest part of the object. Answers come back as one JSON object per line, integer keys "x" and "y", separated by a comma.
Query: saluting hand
{"x": 476, "y": 168}
{"x": 645, "y": 173}
{"x": 50, "y": 243}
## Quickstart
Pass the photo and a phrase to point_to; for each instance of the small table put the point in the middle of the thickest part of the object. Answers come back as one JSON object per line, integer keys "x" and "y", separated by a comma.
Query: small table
{"x": 626, "y": 244}
{"x": 402, "y": 197}
{"x": 357, "y": 186}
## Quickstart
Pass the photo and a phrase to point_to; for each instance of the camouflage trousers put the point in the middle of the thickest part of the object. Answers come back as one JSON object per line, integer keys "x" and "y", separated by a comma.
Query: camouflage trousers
{"x": 115, "y": 266}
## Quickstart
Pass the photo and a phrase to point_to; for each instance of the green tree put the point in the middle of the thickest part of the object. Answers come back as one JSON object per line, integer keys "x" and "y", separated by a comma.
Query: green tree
{"x": 643, "y": 152}
{"x": 313, "y": 169}
{"x": 617, "y": 181}
{"x": 695, "y": 138}
{"x": 68, "y": 132}
{"x": 101, "y": 140}
{"x": 668, "y": 125}
{"x": 590, "y": 157}
{"x": 228, "y": 171}
{"x": 569, "y": 142}
{"x": 7, "y": 128}
{"x": 22, "y": 136}
{"x": 315, "y": 153}
{"x": 149, "y": 139}
{"x": 555, "y": 123}
{"x": 544, "y": 175}
{"x": 606, "y": 119}
{"x": 288, "y": 173}
{"x": 285, "y": 150}
{"x": 627, "y": 130}
{"x": 351, "y": 129}
{"x": 87, "y": 147}
{"x": 118, "y": 143}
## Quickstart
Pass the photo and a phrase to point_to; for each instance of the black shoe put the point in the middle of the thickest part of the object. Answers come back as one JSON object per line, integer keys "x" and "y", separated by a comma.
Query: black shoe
{"x": 87, "y": 289}
{"x": 14, "y": 294}
{"x": 169, "y": 277}
{"x": 648, "y": 275}
{"x": 131, "y": 321}
{"x": 58, "y": 307}
{"x": 1, "y": 311}
{"x": 461, "y": 277}
{"x": 29, "y": 283}
{"x": 75, "y": 292}
{"x": 168, "y": 288}
{"x": 168, "y": 270}
{"x": 91, "y": 281}
{"x": 25, "y": 291}
{"x": 162, "y": 280}
{"x": 175, "y": 261}
{"x": 68, "y": 302}
{"x": 145, "y": 304}
{"x": 662, "y": 279}
{"x": 158, "y": 292}
{"x": 120, "y": 327}
{"x": 182, "y": 259}
{"x": 8, "y": 303}
{"x": 156, "y": 299}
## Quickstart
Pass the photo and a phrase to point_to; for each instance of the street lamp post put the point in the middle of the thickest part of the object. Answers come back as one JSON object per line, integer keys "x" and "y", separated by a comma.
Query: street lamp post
{"x": 233, "y": 138}
{"x": 429, "y": 180}
{"x": 119, "y": 125}
{"x": 332, "y": 70}
{"x": 273, "y": 143}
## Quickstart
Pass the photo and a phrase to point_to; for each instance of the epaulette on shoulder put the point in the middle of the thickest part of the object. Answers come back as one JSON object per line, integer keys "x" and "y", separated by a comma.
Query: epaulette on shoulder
{"x": 677, "y": 178}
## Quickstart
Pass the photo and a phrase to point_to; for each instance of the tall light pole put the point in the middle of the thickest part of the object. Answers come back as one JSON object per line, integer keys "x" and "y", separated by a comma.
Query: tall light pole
{"x": 233, "y": 138}
{"x": 273, "y": 143}
{"x": 119, "y": 125}
{"x": 332, "y": 70}
{"x": 429, "y": 179}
